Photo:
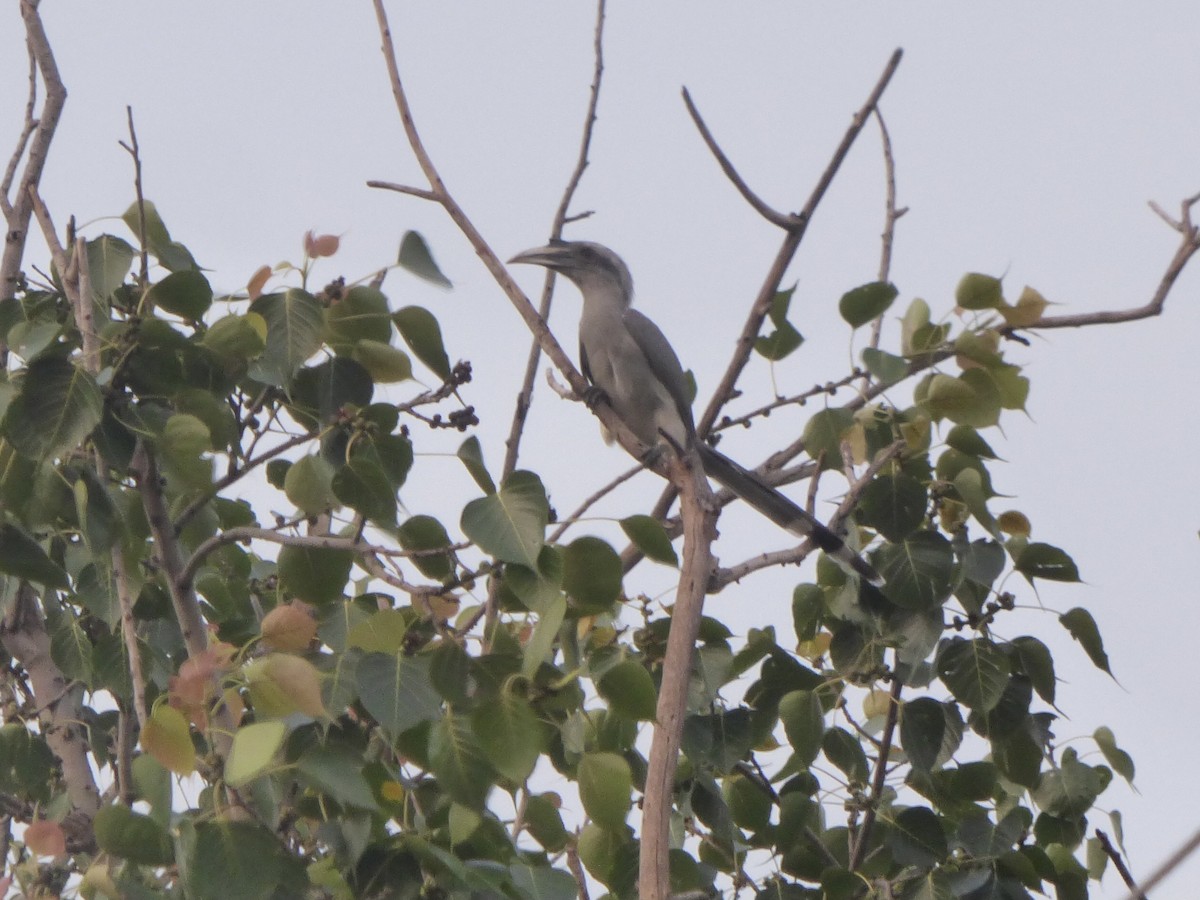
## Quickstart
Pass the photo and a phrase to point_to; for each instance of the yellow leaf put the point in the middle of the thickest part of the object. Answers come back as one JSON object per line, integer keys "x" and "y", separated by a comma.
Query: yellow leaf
{"x": 167, "y": 738}
{"x": 288, "y": 627}
{"x": 1014, "y": 522}
{"x": 45, "y": 838}
{"x": 282, "y": 683}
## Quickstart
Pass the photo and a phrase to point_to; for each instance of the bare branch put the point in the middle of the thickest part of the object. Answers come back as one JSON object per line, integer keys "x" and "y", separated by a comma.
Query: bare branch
{"x": 132, "y": 149}
{"x": 525, "y": 394}
{"x": 35, "y": 147}
{"x": 592, "y": 500}
{"x": 699, "y": 520}
{"x": 422, "y": 193}
{"x": 783, "y": 220}
{"x": 891, "y": 214}
{"x": 1115, "y": 855}
{"x": 220, "y": 484}
{"x": 791, "y": 243}
{"x": 24, "y": 636}
{"x": 1173, "y": 861}
{"x": 27, "y": 127}
{"x": 863, "y": 838}
{"x": 1188, "y": 247}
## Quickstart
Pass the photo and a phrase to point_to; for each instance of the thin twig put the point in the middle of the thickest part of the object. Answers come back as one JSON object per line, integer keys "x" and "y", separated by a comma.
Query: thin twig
{"x": 1189, "y": 847}
{"x": 1188, "y": 247}
{"x": 525, "y": 394}
{"x": 591, "y": 500}
{"x": 783, "y": 220}
{"x": 36, "y": 148}
{"x": 29, "y": 123}
{"x": 133, "y": 150}
{"x": 877, "y": 782}
{"x": 1115, "y": 855}
{"x": 891, "y": 214}
{"x": 423, "y": 193}
{"x": 791, "y": 243}
{"x": 220, "y": 484}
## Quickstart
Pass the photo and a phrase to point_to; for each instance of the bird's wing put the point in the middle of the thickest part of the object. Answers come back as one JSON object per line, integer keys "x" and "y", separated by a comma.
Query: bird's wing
{"x": 663, "y": 362}
{"x": 583, "y": 363}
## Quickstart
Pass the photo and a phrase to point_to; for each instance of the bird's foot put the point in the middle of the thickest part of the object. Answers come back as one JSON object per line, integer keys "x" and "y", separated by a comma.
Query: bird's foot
{"x": 593, "y": 397}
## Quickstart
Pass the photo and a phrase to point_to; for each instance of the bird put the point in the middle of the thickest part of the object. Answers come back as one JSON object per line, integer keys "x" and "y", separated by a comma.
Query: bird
{"x": 631, "y": 364}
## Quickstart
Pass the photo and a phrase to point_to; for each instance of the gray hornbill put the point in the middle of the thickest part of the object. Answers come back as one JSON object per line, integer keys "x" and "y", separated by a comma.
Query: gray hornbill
{"x": 631, "y": 363}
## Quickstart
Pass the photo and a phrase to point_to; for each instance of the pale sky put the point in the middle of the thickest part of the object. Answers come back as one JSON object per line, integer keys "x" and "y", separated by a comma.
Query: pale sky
{"x": 1028, "y": 138}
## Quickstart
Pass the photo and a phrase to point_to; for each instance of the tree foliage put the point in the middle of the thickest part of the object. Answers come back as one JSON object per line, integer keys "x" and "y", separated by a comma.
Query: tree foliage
{"x": 287, "y": 684}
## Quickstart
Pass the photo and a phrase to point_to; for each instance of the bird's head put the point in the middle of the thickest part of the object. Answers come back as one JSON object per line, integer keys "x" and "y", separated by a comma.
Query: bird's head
{"x": 589, "y": 265}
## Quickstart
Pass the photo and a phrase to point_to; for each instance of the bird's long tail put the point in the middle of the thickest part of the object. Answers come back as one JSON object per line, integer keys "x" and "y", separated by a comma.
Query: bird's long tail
{"x": 782, "y": 511}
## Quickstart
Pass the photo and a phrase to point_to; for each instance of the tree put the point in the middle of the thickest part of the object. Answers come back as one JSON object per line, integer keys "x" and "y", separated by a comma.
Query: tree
{"x": 362, "y": 696}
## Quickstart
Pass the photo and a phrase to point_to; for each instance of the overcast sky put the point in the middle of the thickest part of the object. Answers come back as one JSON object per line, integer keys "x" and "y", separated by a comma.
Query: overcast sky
{"x": 1028, "y": 138}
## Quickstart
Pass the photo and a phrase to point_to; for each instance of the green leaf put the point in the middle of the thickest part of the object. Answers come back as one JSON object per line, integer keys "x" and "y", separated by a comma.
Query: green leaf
{"x": 337, "y": 773}
{"x": 153, "y": 784}
{"x": 592, "y": 573}
{"x": 1038, "y": 665}
{"x": 1046, "y": 561}
{"x": 883, "y": 366}
{"x": 605, "y": 786}
{"x": 132, "y": 836}
{"x": 1121, "y": 762}
{"x": 398, "y": 691}
{"x": 510, "y": 524}
{"x": 215, "y": 414}
{"x": 363, "y": 485}
{"x": 650, "y": 537}
{"x": 894, "y": 505}
{"x": 976, "y": 672}
{"x": 919, "y": 572}
{"x": 23, "y": 557}
{"x": 384, "y": 362}
{"x": 56, "y": 408}
{"x": 966, "y": 439}
{"x": 866, "y": 302}
{"x": 309, "y": 485}
{"x": 237, "y": 337}
{"x": 543, "y": 882}
{"x": 823, "y": 434}
{"x": 977, "y": 291}
{"x": 171, "y": 254}
{"x": 509, "y": 734}
{"x": 545, "y": 632}
{"x": 971, "y": 399}
{"x": 458, "y": 761}
{"x": 423, "y": 335}
{"x": 295, "y": 323}
{"x": 314, "y": 574}
{"x": 968, "y": 483}
{"x": 223, "y": 860}
{"x": 545, "y": 822}
{"x": 785, "y": 338}
{"x": 922, "y": 730}
{"x": 185, "y": 293}
{"x": 917, "y": 838}
{"x": 416, "y": 258}
{"x": 325, "y": 392}
{"x": 804, "y": 724}
{"x": 361, "y": 315}
{"x": 108, "y": 259}
{"x": 1082, "y": 626}
{"x": 427, "y": 533}
{"x": 629, "y": 689}
{"x": 470, "y": 452}
{"x": 1071, "y": 789}
{"x": 253, "y": 751}
{"x": 1027, "y": 310}
{"x": 844, "y": 751}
